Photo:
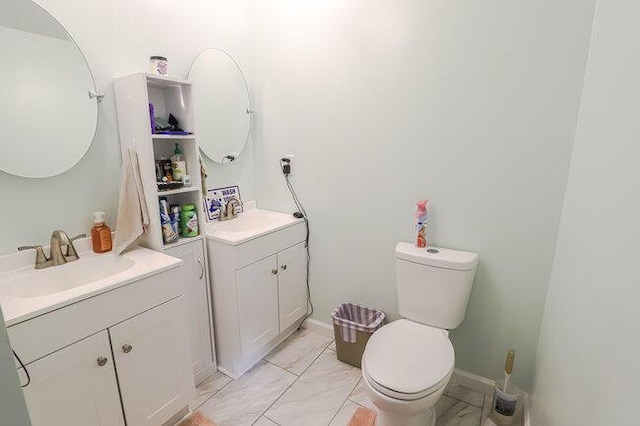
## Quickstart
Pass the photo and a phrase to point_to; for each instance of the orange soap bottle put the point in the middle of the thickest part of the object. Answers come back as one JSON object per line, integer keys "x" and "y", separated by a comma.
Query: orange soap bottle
{"x": 100, "y": 234}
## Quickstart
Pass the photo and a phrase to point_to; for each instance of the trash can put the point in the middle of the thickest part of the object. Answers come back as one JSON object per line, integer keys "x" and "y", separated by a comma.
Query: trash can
{"x": 353, "y": 324}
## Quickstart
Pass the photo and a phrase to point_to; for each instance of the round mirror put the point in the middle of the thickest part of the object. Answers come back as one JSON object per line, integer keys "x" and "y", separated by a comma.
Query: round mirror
{"x": 48, "y": 117}
{"x": 221, "y": 105}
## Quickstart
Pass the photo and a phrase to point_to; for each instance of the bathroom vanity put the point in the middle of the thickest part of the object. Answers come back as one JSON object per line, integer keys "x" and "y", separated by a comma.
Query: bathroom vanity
{"x": 258, "y": 266}
{"x": 101, "y": 349}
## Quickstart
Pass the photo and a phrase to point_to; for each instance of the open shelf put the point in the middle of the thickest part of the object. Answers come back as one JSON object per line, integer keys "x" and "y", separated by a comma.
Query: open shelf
{"x": 183, "y": 240}
{"x": 183, "y": 190}
{"x": 165, "y": 81}
{"x": 179, "y": 137}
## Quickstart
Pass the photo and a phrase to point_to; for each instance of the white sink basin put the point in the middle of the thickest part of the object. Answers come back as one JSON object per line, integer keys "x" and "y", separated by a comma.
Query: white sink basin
{"x": 26, "y": 292}
{"x": 55, "y": 279}
{"x": 248, "y": 225}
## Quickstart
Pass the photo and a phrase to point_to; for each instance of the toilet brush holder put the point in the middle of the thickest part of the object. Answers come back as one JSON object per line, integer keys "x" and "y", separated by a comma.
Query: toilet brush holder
{"x": 505, "y": 403}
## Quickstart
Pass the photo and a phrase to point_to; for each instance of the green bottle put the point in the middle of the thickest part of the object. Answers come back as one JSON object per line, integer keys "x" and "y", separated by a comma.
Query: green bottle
{"x": 189, "y": 221}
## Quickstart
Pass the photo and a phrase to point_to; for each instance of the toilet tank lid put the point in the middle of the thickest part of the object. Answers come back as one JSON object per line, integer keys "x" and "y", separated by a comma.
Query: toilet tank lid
{"x": 438, "y": 257}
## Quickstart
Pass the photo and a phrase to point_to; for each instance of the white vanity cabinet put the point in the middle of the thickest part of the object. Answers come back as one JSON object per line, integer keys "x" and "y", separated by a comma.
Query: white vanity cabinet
{"x": 147, "y": 351}
{"x": 75, "y": 386}
{"x": 122, "y": 354}
{"x": 259, "y": 293}
{"x": 198, "y": 309}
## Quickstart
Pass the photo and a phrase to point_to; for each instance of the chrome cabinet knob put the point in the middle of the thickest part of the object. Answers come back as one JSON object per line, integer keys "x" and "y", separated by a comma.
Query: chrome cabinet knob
{"x": 126, "y": 348}
{"x": 102, "y": 361}
{"x": 274, "y": 271}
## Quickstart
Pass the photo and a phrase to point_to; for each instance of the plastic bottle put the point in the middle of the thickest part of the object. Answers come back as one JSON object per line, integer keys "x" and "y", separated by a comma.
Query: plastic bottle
{"x": 175, "y": 218}
{"x": 178, "y": 165}
{"x": 168, "y": 234}
{"x": 189, "y": 221}
{"x": 421, "y": 223}
{"x": 100, "y": 234}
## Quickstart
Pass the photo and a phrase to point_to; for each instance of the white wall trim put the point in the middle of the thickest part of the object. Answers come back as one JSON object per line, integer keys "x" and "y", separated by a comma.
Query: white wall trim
{"x": 527, "y": 413}
{"x": 473, "y": 381}
{"x": 319, "y": 327}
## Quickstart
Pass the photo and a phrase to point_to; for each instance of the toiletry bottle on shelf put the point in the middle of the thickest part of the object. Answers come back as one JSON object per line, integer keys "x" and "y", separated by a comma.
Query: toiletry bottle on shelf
{"x": 178, "y": 165}
{"x": 166, "y": 169}
{"x": 100, "y": 234}
{"x": 421, "y": 223}
{"x": 189, "y": 221}
{"x": 168, "y": 234}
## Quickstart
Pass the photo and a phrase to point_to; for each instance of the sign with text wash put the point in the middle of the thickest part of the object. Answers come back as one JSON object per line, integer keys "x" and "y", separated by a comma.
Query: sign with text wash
{"x": 217, "y": 199}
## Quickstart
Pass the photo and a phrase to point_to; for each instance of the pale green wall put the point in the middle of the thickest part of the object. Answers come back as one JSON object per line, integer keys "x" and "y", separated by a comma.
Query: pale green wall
{"x": 117, "y": 38}
{"x": 587, "y": 367}
{"x": 472, "y": 104}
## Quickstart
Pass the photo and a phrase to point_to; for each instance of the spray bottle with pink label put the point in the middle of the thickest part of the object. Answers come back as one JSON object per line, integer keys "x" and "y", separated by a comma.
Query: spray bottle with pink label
{"x": 421, "y": 223}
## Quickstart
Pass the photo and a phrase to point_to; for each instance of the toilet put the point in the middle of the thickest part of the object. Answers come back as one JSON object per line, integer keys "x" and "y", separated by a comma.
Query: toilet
{"x": 407, "y": 364}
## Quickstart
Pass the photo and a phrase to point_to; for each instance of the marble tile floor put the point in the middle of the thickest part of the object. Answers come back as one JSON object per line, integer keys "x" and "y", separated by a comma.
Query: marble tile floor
{"x": 301, "y": 382}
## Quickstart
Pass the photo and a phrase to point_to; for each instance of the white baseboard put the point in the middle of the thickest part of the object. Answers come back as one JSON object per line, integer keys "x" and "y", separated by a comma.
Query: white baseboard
{"x": 319, "y": 327}
{"x": 473, "y": 381}
{"x": 527, "y": 406}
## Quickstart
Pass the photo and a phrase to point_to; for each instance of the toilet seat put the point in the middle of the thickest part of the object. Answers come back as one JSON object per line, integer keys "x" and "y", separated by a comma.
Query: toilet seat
{"x": 408, "y": 361}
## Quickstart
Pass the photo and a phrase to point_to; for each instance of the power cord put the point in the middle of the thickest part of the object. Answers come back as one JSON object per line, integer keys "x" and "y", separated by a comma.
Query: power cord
{"x": 23, "y": 367}
{"x": 285, "y": 166}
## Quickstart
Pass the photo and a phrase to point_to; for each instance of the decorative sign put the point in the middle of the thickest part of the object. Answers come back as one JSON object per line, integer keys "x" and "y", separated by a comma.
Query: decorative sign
{"x": 217, "y": 199}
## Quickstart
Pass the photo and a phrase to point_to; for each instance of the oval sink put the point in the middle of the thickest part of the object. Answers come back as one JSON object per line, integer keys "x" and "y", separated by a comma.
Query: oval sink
{"x": 248, "y": 225}
{"x": 56, "y": 279}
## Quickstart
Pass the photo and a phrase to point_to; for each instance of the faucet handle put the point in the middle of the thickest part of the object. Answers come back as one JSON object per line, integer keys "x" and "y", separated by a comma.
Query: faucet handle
{"x": 72, "y": 254}
{"x": 41, "y": 258}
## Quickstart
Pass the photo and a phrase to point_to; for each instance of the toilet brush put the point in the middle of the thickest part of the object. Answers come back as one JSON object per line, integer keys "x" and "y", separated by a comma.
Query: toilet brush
{"x": 508, "y": 368}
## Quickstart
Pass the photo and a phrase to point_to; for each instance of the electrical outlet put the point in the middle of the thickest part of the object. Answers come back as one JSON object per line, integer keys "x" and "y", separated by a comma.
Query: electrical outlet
{"x": 290, "y": 162}
{"x": 290, "y": 157}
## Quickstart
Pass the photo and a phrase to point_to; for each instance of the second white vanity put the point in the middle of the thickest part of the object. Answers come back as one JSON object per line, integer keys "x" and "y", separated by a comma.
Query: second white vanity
{"x": 258, "y": 265}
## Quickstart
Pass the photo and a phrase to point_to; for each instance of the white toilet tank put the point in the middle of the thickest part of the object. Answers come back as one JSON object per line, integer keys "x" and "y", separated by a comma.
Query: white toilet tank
{"x": 434, "y": 284}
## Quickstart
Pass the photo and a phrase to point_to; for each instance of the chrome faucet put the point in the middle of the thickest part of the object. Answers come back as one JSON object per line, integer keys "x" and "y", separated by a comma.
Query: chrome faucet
{"x": 59, "y": 240}
{"x": 228, "y": 212}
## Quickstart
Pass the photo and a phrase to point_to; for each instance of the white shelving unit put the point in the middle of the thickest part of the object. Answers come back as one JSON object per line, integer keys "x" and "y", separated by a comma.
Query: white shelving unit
{"x": 134, "y": 93}
{"x": 173, "y": 96}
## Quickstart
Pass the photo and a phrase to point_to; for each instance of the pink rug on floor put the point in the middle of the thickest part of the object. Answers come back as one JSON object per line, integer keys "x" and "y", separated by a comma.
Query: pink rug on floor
{"x": 198, "y": 419}
{"x": 363, "y": 417}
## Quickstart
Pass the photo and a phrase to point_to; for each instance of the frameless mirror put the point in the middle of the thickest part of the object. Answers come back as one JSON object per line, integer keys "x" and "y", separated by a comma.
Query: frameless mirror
{"x": 48, "y": 117}
{"x": 221, "y": 105}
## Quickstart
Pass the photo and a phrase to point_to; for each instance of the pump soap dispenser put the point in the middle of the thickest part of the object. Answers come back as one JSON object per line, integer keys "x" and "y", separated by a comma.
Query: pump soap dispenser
{"x": 100, "y": 234}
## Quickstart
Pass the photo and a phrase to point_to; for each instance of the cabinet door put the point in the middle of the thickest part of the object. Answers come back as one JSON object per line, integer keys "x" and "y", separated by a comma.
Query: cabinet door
{"x": 257, "y": 286}
{"x": 152, "y": 361}
{"x": 292, "y": 286}
{"x": 198, "y": 311}
{"x": 75, "y": 386}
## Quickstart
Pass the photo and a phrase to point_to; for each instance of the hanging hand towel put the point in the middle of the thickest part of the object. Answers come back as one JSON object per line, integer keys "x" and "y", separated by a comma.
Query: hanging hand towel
{"x": 133, "y": 215}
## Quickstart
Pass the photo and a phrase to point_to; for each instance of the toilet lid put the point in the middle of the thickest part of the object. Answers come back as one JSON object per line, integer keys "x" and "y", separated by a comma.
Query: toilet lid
{"x": 408, "y": 360}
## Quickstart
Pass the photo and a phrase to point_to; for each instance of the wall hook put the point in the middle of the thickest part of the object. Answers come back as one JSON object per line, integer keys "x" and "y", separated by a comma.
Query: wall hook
{"x": 95, "y": 94}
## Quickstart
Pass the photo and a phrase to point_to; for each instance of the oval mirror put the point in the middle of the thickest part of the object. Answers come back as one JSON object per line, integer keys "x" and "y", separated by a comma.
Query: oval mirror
{"x": 221, "y": 104}
{"x": 48, "y": 117}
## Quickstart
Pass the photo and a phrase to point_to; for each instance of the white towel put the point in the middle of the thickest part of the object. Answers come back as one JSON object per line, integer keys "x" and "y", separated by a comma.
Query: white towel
{"x": 133, "y": 215}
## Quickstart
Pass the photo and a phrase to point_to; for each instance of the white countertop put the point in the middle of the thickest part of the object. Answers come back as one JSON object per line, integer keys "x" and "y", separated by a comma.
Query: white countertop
{"x": 250, "y": 224}
{"x": 18, "y": 309}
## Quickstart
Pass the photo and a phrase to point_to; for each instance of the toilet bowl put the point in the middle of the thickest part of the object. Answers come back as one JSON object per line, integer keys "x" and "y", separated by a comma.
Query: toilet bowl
{"x": 405, "y": 368}
{"x": 407, "y": 364}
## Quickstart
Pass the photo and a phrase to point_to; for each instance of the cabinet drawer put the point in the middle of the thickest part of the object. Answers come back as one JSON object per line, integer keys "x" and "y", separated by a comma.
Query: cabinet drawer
{"x": 264, "y": 246}
{"x": 45, "y": 334}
